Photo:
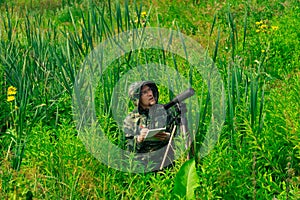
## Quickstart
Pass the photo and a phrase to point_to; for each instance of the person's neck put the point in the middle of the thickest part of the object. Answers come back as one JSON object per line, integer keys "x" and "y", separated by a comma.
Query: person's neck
{"x": 145, "y": 107}
{"x": 143, "y": 110}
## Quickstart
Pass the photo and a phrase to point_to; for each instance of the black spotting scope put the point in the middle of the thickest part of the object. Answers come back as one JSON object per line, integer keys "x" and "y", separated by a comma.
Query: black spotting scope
{"x": 179, "y": 98}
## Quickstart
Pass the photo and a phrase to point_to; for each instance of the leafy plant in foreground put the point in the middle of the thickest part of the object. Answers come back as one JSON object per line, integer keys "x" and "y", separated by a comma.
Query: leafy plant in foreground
{"x": 186, "y": 181}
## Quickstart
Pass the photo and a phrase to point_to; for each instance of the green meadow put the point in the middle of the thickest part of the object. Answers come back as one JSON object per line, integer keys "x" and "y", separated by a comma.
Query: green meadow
{"x": 254, "y": 45}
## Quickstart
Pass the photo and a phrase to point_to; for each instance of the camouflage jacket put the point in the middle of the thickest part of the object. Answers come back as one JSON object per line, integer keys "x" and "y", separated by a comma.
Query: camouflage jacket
{"x": 133, "y": 124}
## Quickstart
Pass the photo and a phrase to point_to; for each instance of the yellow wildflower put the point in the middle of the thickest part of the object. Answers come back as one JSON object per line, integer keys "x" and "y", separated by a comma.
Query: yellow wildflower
{"x": 258, "y": 23}
{"x": 274, "y": 28}
{"x": 257, "y": 31}
{"x": 11, "y": 90}
{"x": 263, "y": 26}
{"x": 263, "y": 51}
{"x": 143, "y": 14}
{"x": 10, "y": 98}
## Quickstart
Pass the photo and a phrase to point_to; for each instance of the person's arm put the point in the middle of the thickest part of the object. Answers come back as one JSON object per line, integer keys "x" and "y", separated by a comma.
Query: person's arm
{"x": 134, "y": 134}
{"x": 163, "y": 136}
{"x": 129, "y": 130}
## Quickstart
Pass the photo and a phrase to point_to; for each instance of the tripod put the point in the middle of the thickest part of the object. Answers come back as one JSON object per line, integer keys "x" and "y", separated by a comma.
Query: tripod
{"x": 181, "y": 120}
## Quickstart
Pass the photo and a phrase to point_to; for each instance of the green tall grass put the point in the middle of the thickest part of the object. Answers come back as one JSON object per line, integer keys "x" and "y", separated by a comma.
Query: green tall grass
{"x": 257, "y": 154}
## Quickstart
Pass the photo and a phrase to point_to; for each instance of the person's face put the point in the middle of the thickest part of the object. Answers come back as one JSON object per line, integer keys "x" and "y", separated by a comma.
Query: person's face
{"x": 147, "y": 99}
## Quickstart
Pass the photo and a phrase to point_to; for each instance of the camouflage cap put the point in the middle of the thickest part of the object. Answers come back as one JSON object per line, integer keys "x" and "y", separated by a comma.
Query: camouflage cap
{"x": 134, "y": 90}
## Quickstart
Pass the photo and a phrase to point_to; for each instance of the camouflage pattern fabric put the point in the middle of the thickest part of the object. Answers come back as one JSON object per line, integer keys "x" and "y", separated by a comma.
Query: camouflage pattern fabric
{"x": 155, "y": 117}
{"x": 133, "y": 124}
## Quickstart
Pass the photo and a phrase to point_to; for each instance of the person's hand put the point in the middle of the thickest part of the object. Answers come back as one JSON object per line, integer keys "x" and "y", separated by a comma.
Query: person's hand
{"x": 162, "y": 136}
{"x": 142, "y": 135}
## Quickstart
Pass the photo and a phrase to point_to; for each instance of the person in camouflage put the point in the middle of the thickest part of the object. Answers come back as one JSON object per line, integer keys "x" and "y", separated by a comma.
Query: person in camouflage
{"x": 147, "y": 115}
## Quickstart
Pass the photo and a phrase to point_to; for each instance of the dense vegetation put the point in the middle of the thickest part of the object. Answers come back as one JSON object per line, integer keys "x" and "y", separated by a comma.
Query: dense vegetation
{"x": 255, "y": 46}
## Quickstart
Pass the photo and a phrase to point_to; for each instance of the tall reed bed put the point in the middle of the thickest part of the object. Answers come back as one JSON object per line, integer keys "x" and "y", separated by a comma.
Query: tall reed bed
{"x": 247, "y": 152}
{"x": 41, "y": 57}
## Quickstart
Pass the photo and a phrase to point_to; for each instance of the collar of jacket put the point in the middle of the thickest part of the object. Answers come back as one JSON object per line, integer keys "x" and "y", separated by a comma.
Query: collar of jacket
{"x": 143, "y": 111}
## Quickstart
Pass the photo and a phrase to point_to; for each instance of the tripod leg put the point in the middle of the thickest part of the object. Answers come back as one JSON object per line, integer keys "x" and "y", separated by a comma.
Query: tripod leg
{"x": 168, "y": 147}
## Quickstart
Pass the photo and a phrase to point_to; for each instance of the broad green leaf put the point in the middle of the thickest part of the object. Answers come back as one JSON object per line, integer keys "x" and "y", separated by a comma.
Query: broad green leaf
{"x": 186, "y": 181}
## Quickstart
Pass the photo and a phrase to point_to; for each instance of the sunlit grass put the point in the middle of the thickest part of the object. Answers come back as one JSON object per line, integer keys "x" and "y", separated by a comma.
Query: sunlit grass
{"x": 255, "y": 48}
